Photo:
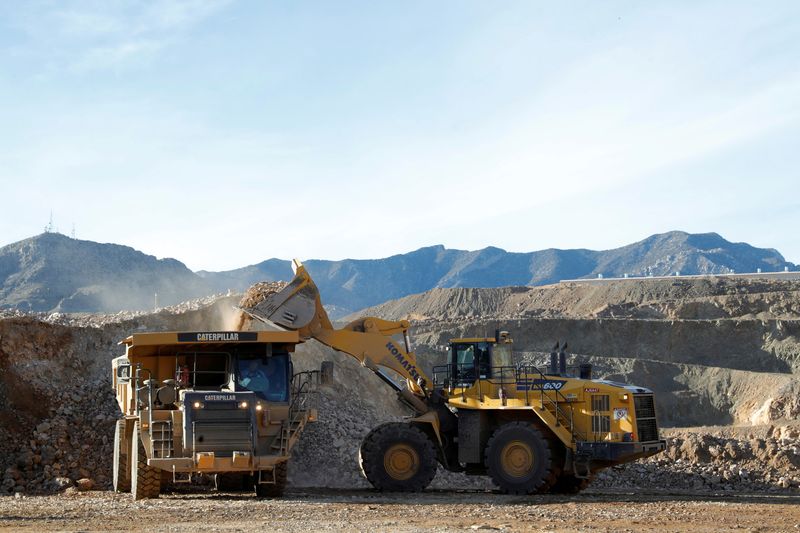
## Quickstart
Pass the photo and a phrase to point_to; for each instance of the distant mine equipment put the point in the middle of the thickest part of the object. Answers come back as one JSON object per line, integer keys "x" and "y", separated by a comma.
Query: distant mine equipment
{"x": 224, "y": 404}
{"x": 531, "y": 430}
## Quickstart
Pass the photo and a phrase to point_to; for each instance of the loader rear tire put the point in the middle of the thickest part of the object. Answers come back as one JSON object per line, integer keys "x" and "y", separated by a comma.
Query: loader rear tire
{"x": 569, "y": 484}
{"x": 273, "y": 490}
{"x": 398, "y": 457}
{"x": 519, "y": 459}
{"x": 145, "y": 479}
{"x": 121, "y": 475}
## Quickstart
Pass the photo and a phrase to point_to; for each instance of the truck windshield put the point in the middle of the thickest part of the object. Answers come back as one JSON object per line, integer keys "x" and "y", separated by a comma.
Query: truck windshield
{"x": 267, "y": 377}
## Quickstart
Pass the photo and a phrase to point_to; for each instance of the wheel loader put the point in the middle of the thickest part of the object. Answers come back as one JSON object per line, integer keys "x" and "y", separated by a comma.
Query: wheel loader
{"x": 223, "y": 404}
{"x": 483, "y": 413}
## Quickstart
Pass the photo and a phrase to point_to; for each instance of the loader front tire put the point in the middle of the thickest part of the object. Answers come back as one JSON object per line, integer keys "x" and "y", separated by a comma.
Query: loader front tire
{"x": 397, "y": 457}
{"x": 121, "y": 475}
{"x": 273, "y": 490}
{"x": 145, "y": 479}
{"x": 519, "y": 459}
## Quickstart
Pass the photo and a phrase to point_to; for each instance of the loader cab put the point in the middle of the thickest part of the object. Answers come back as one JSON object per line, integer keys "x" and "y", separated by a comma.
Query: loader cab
{"x": 479, "y": 358}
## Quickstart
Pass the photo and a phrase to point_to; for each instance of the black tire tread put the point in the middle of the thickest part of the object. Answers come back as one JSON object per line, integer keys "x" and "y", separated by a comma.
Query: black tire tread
{"x": 550, "y": 475}
{"x": 145, "y": 480}
{"x": 569, "y": 484}
{"x": 274, "y": 490}
{"x": 120, "y": 478}
{"x": 370, "y": 457}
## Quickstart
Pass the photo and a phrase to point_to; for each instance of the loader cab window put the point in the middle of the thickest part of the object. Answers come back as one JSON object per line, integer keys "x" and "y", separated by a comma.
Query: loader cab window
{"x": 502, "y": 356}
{"x": 463, "y": 364}
{"x": 469, "y": 357}
{"x": 268, "y": 377}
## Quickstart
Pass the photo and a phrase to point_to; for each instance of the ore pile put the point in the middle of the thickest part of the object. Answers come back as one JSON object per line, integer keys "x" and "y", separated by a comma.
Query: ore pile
{"x": 58, "y": 410}
{"x": 256, "y": 294}
{"x": 714, "y": 462}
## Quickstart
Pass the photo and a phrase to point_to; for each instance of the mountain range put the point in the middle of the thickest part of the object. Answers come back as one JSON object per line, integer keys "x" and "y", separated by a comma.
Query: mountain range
{"x": 52, "y": 272}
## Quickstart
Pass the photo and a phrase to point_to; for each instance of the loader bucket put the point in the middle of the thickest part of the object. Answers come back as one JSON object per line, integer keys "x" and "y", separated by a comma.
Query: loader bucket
{"x": 294, "y": 307}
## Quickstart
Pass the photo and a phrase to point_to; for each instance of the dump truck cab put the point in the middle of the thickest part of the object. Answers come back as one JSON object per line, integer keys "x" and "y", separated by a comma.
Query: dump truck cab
{"x": 220, "y": 403}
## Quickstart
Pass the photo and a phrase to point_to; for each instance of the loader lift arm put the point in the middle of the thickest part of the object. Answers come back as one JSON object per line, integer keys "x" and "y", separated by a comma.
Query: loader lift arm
{"x": 369, "y": 340}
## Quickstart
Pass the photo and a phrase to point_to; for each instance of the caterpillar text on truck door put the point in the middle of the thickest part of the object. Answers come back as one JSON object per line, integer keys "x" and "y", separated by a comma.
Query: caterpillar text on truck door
{"x": 530, "y": 430}
{"x": 221, "y": 403}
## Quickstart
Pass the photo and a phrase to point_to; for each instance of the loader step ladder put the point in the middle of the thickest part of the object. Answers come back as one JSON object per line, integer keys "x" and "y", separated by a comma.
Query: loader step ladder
{"x": 161, "y": 436}
{"x": 552, "y": 406}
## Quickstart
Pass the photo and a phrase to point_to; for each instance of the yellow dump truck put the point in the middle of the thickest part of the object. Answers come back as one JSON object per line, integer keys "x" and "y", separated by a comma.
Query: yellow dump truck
{"x": 220, "y": 403}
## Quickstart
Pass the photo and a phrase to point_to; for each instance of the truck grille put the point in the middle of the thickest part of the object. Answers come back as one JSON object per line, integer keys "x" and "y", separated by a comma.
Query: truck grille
{"x": 220, "y": 431}
{"x": 646, "y": 426}
{"x": 222, "y": 438}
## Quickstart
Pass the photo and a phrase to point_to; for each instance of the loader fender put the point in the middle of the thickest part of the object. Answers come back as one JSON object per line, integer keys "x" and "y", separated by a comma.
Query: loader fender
{"x": 429, "y": 421}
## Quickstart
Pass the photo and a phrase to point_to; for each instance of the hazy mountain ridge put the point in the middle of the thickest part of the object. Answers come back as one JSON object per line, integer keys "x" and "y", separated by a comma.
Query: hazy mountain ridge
{"x": 356, "y": 284}
{"x": 52, "y": 272}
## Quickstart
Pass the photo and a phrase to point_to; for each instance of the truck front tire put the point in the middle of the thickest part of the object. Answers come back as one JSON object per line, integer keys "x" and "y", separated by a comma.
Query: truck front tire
{"x": 145, "y": 480}
{"x": 273, "y": 490}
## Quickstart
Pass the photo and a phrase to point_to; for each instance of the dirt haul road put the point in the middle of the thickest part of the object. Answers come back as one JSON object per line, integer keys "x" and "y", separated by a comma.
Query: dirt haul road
{"x": 366, "y": 510}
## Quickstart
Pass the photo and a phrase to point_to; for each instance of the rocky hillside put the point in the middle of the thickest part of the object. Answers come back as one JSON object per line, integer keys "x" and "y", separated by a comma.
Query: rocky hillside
{"x": 52, "y": 272}
{"x": 354, "y": 284}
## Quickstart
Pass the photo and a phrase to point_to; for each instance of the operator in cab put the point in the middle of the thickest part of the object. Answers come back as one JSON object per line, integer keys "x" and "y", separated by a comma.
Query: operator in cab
{"x": 266, "y": 378}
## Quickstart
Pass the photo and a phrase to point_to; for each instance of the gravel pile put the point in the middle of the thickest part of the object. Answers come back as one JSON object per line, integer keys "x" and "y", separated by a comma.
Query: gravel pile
{"x": 716, "y": 463}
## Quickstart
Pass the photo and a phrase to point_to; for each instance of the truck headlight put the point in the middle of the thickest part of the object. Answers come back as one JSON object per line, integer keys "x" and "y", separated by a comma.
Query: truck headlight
{"x": 197, "y": 405}
{"x": 243, "y": 405}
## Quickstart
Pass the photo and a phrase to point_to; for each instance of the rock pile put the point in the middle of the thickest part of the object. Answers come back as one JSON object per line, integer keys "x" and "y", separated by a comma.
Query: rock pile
{"x": 715, "y": 462}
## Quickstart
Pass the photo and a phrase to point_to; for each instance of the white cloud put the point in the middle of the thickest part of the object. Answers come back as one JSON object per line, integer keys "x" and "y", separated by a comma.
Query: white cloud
{"x": 88, "y": 35}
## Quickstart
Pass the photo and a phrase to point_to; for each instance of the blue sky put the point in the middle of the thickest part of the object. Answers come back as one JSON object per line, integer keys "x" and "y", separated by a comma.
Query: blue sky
{"x": 226, "y": 132}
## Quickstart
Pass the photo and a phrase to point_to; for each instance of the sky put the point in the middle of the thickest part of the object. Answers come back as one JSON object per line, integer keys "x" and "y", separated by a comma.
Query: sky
{"x": 223, "y": 133}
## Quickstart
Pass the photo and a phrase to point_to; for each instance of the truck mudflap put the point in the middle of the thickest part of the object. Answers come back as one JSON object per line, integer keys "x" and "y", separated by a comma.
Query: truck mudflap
{"x": 618, "y": 452}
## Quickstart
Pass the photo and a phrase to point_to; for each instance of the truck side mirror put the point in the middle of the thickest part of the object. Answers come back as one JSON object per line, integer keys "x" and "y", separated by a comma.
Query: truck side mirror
{"x": 124, "y": 372}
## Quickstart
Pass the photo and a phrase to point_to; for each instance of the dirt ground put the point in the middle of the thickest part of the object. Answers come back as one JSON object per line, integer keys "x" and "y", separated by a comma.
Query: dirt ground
{"x": 366, "y": 510}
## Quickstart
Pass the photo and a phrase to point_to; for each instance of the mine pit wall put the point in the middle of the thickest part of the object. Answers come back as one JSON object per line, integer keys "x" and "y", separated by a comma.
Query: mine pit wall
{"x": 704, "y": 372}
{"x": 754, "y": 345}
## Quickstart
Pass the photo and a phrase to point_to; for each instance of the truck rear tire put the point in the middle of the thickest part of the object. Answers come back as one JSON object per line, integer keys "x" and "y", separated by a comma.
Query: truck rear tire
{"x": 273, "y": 490}
{"x": 519, "y": 459}
{"x": 145, "y": 480}
{"x": 121, "y": 475}
{"x": 398, "y": 457}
